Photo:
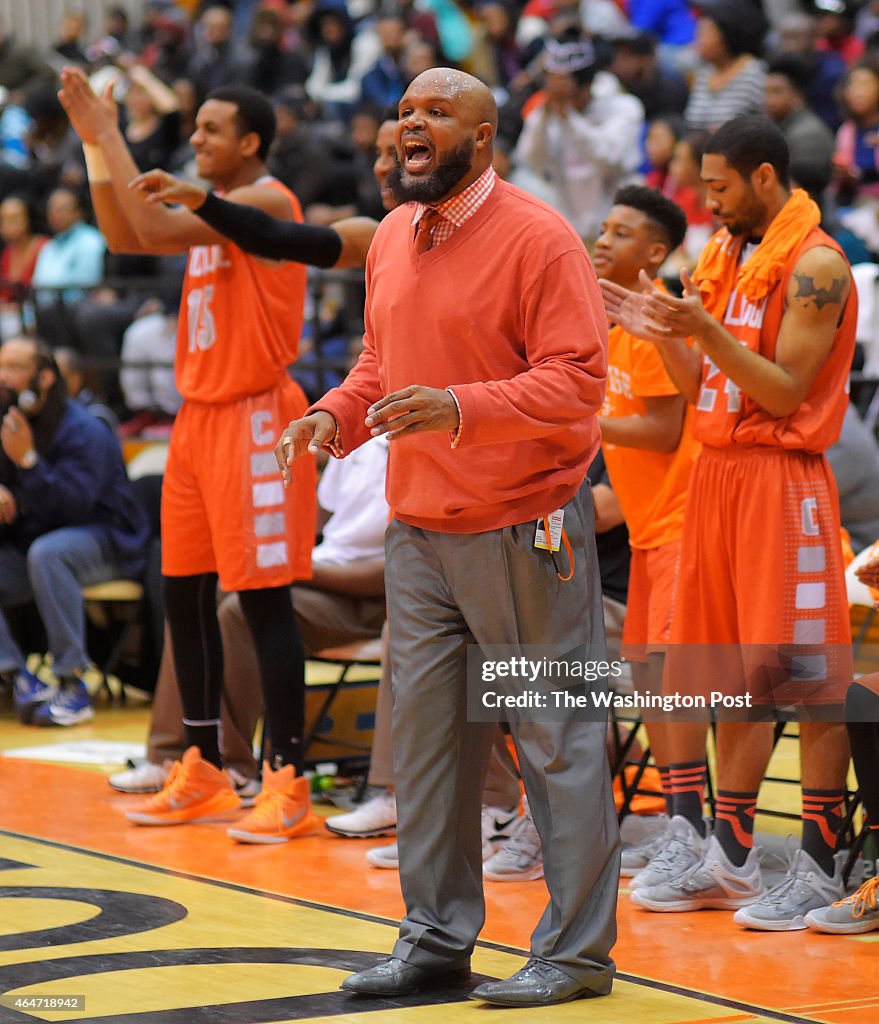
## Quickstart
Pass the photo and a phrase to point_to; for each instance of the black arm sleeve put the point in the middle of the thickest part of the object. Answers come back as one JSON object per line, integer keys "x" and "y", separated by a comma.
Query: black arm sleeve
{"x": 260, "y": 234}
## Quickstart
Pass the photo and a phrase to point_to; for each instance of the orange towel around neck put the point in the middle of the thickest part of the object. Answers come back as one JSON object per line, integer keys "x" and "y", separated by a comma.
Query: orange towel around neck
{"x": 718, "y": 272}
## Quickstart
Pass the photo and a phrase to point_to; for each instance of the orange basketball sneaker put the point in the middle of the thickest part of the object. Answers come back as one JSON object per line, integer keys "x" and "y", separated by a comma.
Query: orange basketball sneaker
{"x": 195, "y": 791}
{"x": 282, "y": 811}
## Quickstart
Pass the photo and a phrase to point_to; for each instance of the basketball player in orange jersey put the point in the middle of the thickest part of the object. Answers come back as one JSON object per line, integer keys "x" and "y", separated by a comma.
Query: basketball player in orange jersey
{"x": 649, "y": 451}
{"x": 224, "y": 512}
{"x": 344, "y": 244}
{"x": 773, "y": 309}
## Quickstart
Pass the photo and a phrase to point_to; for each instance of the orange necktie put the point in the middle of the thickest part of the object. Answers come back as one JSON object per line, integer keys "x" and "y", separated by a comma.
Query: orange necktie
{"x": 424, "y": 227}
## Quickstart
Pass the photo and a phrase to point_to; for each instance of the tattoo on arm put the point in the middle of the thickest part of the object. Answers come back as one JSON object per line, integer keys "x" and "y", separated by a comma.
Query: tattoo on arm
{"x": 808, "y": 291}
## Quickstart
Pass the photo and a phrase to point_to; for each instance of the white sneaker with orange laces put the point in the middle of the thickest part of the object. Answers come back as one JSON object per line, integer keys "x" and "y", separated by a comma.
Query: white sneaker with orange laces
{"x": 854, "y": 915}
{"x": 195, "y": 790}
{"x": 282, "y": 810}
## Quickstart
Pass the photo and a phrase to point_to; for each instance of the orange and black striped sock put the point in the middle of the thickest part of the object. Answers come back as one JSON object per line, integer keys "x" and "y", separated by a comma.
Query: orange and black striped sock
{"x": 686, "y": 784}
{"x": 665, "y": 783}
{"x": 822, "y": 811}
{"x": 734, "y": 824}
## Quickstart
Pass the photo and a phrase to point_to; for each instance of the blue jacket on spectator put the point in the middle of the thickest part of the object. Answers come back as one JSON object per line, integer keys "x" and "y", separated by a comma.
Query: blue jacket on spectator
{"x": 80, "y": 479}
{"x": 671, "y": 21}
{"x": 383, "y": 85}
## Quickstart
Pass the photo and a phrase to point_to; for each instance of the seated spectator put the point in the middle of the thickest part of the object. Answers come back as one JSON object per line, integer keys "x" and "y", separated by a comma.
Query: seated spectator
{"x": 73, "y": 258}
{"x": 420, "y": 56}
{"x": 72, "y": 370}
{"x": 856, "y": 159}
{"x": 69, "y": 48}
{"x": 341, "y": 58}
{"x": 684, "y": 186}
{"x": 835, "y": 28}
{"x": 385, "y": 82}
{"x": 815, "y": 179}
{"x": 299, "y": 155}
{"x": 797, "y": 36}
{"x": 662, "y": 90}
{"x": 68, "y": 519}
{"x": 731, "y": 80}
{"x": 15, "y": 126}
{"x": 167, "y": 51}
{"x": 147, "y": 371}
{"x": 21, "y": 67}
{"x": 117, "y": 26}
{"x": 349, "y": 185}
{"x": 663, "y": 134}
{"x": 420, "y": 22}
{"x": 806, "y": 135}
{"x": 55, "y": 153}
{"x": 21, "y": 247}
{"x": 505, "y": 58}
{"x": 152, "y": 119}
{"x": 273, "y": 66}
{"x": 218, "y": 58}
{"x": 582, "y": 142}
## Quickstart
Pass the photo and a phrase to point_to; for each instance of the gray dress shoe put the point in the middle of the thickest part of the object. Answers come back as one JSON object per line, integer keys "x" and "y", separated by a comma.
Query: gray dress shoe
{"x": 537, "y": 984}
{"x": 393, "y": 977}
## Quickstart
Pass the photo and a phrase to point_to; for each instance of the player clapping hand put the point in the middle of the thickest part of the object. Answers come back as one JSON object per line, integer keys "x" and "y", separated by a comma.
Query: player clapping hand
{"x": 159, "y": 186}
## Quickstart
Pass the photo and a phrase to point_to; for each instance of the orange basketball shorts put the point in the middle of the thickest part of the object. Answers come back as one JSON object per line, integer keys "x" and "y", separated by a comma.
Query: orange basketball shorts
{"x": 761, "y": 589}
{"x": 224, "y": 506}
{"x": 650, "y": 602}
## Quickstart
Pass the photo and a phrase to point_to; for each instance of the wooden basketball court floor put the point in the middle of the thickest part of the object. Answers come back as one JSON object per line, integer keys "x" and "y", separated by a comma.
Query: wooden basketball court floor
{"x": 184, "y": 926}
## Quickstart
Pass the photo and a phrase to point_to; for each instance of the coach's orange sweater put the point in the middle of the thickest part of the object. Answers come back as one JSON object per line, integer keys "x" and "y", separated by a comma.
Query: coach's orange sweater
{"x": 507, "y": 313}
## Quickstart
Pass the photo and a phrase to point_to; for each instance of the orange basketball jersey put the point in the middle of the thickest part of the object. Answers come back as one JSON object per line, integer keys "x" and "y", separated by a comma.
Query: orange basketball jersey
{"x": 651, "y": 486}
{"x": 725, "y": 415}
{"x": 240, "y": 320}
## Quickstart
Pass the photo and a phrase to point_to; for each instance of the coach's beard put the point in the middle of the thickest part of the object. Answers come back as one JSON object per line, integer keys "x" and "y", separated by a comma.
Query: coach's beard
{"x": 431, "y": 188}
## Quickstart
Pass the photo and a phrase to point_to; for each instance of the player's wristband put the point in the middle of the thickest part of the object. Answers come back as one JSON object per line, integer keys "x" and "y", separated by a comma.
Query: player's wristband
{"x": 95, "y": 164}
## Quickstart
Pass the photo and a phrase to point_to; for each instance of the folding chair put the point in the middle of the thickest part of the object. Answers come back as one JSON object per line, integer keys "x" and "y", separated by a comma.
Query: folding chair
{"x": 360, "y": 654}
{"x": 101, "y": 600}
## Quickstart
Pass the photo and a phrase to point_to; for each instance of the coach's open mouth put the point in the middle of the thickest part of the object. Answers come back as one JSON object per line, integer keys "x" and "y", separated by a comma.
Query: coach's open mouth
{"x": 417, "y": 155}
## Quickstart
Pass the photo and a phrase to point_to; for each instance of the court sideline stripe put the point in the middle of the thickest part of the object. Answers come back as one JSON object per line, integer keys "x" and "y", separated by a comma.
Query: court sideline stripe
{"x": 632, "y": 979}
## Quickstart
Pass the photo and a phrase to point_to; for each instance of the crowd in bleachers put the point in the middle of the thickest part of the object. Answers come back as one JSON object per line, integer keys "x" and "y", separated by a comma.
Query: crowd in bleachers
{"x": 592, "y": 96}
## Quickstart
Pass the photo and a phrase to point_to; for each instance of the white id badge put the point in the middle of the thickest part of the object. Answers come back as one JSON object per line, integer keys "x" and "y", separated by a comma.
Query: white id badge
{"x": 556, "y": 522}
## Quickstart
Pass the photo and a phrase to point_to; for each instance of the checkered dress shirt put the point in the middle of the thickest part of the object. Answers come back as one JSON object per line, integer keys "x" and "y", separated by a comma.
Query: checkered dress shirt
{"x": 459, "y": 209}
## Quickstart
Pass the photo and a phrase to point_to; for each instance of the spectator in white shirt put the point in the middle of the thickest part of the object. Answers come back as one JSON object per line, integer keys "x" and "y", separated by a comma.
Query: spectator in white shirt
{"x": 583, "y": 142}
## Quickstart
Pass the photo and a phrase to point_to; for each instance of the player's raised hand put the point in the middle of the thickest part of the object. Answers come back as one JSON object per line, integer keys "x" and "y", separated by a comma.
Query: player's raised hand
{"x": 158, "y": 186}
{"x": 303, "y": 437}
{"x": 90, "y": 114}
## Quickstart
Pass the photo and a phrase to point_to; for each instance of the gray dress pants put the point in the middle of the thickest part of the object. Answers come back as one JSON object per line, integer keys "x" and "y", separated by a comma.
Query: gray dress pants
{"x": 446, "y": 591}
